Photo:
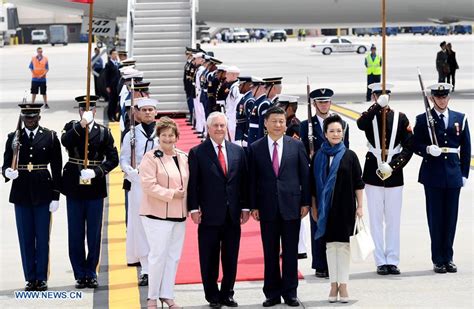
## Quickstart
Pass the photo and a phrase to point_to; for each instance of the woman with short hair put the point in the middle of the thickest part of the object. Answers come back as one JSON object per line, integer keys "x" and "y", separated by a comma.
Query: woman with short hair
{"x": 164, "y": 175}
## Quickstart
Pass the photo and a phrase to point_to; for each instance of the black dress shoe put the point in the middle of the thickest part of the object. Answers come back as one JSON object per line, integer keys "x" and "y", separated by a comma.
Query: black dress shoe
{"x": 137, "y": 264}
{"x": 321, "y": 273}
{"x": 292, "y": 302}
{"x": 143, "y": 280}
{"x": 41, "y": 285}
{"x": 382, "y": 270}
{"x": 81, "y": 284}
{"x": 92, "y": 283}
{"x": 270, "y": 302}
{"x": 451, "y": 267}
{"x": 302, "y": 256}
{"x": 215, "y": 304}
{"x": 229, "y": 302}
{"x": 393, "y": 270}
{"x": 30, "y": 286}
{"x": 439, "y": 268}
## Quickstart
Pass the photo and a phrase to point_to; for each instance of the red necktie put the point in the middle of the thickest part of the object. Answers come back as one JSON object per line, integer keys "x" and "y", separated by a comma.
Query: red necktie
{"x": 220, "y": 157}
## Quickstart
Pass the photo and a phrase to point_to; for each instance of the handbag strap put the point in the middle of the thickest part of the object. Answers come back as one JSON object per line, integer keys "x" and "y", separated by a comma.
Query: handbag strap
{"x": 359, "y": 225}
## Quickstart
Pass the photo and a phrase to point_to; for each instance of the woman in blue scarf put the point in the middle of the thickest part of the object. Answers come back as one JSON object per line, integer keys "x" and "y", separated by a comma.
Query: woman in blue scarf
{"x": 338, "y": 185}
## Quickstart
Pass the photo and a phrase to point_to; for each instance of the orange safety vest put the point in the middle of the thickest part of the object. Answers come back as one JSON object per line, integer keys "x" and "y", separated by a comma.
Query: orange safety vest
{"x": 39, "y": 67}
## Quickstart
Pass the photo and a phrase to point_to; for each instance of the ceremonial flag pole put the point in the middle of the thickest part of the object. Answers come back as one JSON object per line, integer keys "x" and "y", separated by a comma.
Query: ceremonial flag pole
{"x": 88, "y": 84}
{"x": 384, "y": 61}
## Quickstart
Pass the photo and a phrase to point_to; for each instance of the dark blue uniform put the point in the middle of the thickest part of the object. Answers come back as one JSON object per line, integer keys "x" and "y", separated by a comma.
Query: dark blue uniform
{"x": 257, "y": 118}
{"x": 31, "y": 193}
{"x": 244, "y": 108}
{"x": 189, "y": 89}
{"x": 85, "y": 203}
{"x": 318, "y": 247}
{"x": 442, "y": 178}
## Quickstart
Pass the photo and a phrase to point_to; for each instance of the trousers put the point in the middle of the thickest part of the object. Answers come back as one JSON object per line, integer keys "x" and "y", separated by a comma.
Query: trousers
{"x": 339, "y": 258}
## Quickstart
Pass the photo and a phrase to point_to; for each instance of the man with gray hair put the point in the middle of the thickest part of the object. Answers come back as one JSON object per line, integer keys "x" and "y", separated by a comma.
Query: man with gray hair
{"x": 217, "y": 202}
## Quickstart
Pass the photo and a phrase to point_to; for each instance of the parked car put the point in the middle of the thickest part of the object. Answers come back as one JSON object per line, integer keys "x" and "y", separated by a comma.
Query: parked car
{"x": 339, "y": 45}
{"x": 39, "y": 36}
{"x": 239, "y": 34}
{"x": 440, "y": 30}
{"x": 462, "y": 29}
{"x": 58, "y": 34}
{"x": 276, "y": 35}
{"x": 205, "y": 36}
{"x": 421, "y": 30}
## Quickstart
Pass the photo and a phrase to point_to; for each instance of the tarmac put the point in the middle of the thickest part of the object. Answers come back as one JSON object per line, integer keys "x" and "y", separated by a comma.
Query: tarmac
{"x": 417, "y": 287}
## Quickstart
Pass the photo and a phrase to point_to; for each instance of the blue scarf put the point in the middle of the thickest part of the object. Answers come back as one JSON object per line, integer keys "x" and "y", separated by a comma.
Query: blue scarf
{"x": 325, "y": 181}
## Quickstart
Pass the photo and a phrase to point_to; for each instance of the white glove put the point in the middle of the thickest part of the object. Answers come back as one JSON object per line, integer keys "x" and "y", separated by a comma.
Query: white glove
{"x": 464, "y": 180}
{"x": 53, "y": 206}
{"x": 383, "y": 100}
{"x": 133, "y": 176}
{"x": 385, "y": 168}
{"x": 87, "y": 174}
{"x": 88, "y": 116}
{"x": 11, "y": 173}
{"x": 433, "y": 150}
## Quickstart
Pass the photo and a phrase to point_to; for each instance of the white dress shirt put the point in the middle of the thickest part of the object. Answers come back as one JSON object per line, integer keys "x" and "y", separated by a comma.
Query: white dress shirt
{"x": 279, "y": 148}
{"x": 34, "y": 132}
{"x": 321, "y": 121}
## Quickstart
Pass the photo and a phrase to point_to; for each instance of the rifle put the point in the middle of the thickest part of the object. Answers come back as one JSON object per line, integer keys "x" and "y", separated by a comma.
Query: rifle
{"x": 132, "y": 125}
{"x": 429, "y": 117}
{"x": 16, "y": 139}
{"x": 310, "y": 120}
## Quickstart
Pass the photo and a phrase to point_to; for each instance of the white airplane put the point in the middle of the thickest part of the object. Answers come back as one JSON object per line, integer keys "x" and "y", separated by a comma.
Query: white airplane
{"x": 294, "y": 13}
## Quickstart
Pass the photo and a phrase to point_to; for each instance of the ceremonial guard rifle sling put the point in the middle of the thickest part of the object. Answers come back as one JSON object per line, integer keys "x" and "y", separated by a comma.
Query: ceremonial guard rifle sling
{"x": 310, "y": 120}
{"x": 16, "y": 139}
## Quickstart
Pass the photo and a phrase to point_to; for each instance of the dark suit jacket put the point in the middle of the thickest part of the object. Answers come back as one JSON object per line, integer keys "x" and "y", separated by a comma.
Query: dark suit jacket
{"x": 285, "y": 194}
{"x": 212, "y": 192}
{"x": 112, "y": 75}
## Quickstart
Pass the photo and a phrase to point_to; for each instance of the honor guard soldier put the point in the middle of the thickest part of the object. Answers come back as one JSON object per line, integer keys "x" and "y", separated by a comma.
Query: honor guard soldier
{"x": 34, "y": 192}
{"x": 211, "y": 81}
{"x": 259, "y": 94}
{"x": 383, "y": 176}
{"x": 444, "y": 170}
{"x": 231, "y": 101}
{"x": 127, "y": 75}
{"x": 199, "y": 111}
{"x": 263, "y": 102}
{"x": 213, "y": 87}
{"x": 84, "y": 184}
{"x": 188, "y": 81}
{"x": 144, "y": 139}
{"x": 222, "y": 89}
{"x": 289, "y": 103}
{"x": 321, "y": 99}
{"x": 243, "y": 110}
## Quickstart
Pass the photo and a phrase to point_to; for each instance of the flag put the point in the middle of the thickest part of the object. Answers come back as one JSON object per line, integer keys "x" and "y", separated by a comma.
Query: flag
{"x": 82, "y": 1}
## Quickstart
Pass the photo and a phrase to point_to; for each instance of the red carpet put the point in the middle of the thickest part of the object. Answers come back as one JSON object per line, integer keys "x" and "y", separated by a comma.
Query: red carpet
{"x": 250, "y": 265}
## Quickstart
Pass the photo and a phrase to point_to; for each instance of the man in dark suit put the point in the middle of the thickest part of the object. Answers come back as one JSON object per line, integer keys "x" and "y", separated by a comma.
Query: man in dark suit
{"x": 112, "y": 76}
{"x": 444, "y": 170}
{"x": 279, "y": 198}
{"x": 85, "y": 189}
{"x": 34, "y": 192}
{"x": 217, "y": 201}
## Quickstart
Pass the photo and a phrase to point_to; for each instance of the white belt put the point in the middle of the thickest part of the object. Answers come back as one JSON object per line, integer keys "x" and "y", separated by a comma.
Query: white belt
{"x": 241, "y": 143}
{"x": 449, "y": 150}
{"x": 378, "y": 152}
{"x": 253, "y": 125}
{"x": 221, "y": 102}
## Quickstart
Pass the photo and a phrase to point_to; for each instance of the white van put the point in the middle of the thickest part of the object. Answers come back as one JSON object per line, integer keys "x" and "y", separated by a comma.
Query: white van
{"x": 39, "y": 36}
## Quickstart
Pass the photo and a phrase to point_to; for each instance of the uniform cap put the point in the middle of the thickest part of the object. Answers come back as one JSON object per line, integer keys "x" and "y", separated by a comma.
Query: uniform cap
{"x": 30, "y": 109}
{"x": 377, "y": 88}
{"x": 233, "y": 69}
{"x": 141, "y": 86}
{"x": 215, "y": 60}
{"x": 131, "y": 73}
{"x": 122, "y": 52}
{"x": 210, "y": 53}
{"x": 199, "y": 55}
{"x": 321, "y": 94}
{"x": 139, "y": 103}
{"x": 440, "y": 89}
{"x": 273, "y": 80}
{"x": 81, "y": 100}
{"x": 257, "y": 80}
{"x": 245, "y": 79}
{"x": 191, "y": 50}
{"x": 287, "y": 99}
{"x": 222, "y": 67}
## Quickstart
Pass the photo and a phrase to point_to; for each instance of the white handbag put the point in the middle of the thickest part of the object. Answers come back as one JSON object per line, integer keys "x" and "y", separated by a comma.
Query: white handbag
{"x": 361, "y": 242}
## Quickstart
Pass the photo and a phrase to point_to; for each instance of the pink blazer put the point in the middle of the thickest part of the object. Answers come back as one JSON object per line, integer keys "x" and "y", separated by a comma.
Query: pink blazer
{"x": 160, "y": 178}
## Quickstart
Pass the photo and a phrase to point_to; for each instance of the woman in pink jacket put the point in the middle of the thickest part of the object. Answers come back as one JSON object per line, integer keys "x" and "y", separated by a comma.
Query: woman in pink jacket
{"x": 164, "y": 174}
